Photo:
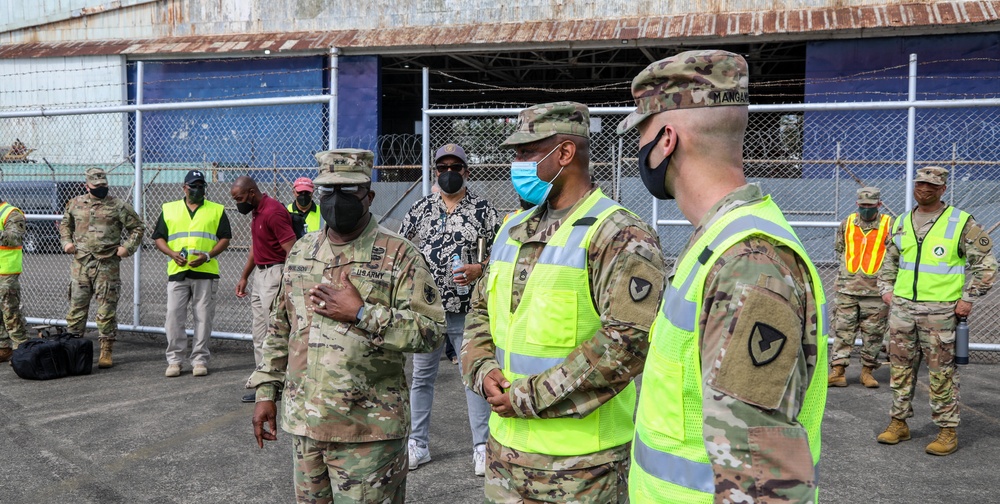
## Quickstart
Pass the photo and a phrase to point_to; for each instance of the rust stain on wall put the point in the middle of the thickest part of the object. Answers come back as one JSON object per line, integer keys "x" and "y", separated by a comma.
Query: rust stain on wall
{"x": 695, "y": 26}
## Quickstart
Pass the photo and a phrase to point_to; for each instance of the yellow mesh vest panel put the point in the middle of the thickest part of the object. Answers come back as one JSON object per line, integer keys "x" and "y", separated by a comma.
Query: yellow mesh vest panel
{"x": 555, "y": 315}
{"x": 669, "y": 420}
{"x": 195, "y": 234}
{"x": 11, "y": 258}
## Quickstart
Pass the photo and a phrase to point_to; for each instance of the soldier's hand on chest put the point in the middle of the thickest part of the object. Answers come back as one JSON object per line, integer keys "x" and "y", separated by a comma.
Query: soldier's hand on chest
{"x": 340, "y": 304}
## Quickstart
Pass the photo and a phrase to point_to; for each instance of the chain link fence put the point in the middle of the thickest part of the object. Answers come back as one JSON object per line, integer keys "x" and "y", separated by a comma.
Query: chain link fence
{"x": 810, "y": 160}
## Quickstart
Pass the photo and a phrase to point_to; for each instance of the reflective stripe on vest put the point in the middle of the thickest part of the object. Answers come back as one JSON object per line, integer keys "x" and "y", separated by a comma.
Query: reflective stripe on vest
{"x": 11, "y": 258}
{"x": 930, "y": 269}
{"x": 668, "y": 451}
{"x": 196, "y": 234}
{"x": 864, "y": 250}
{"x": 312, "y": 217}
{"x": 555, "y": 315}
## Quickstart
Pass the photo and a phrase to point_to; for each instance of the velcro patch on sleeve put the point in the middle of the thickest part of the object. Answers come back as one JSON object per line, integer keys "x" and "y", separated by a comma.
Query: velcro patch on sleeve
{"x": 635, "y": 298}
{"x": 762, "y": 350}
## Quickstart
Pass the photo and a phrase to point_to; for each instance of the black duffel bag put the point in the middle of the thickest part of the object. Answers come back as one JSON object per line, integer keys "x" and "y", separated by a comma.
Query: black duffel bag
{"x": 40, "y": 359}
{"x": 79, "y": 353}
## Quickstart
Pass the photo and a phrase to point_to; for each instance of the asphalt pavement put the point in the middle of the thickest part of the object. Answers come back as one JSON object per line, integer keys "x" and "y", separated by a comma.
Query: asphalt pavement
{"x": 128, "y": 434}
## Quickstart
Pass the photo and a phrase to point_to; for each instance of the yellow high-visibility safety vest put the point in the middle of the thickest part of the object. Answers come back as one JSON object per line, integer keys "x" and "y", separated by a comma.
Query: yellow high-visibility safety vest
{"x": 197, "y": 233}
{"x": 312, "y": 218}
{"x": 555, "y": 315}
{"x": 11, "y": 258}
{"x": 931, "y": 269}
{"x": 864, "y": 250}
{"x": 670, "y": 461}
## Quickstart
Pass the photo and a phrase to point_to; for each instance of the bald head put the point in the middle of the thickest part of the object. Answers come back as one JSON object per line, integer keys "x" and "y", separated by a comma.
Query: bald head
{"x": 244, "y": 183}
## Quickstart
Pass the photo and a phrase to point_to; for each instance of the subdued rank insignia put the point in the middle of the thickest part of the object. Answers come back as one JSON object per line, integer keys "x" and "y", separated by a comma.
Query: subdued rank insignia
{"x": 523, "y": 275}
{"x": 430, "y": 293}
{"x": 765, "y": 343}
{"x": 639, "y": 288}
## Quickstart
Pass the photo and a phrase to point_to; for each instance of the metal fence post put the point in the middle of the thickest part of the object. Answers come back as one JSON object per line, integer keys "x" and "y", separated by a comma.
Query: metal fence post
{"x": 911, "y": 132}
{"x": 137, "y": 197}
{"x": 331, "y": 141}
{"x": 425, "y": 127}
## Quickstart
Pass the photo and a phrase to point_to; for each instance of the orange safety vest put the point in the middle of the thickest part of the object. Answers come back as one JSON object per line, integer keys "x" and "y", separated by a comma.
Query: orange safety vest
{"x": 865, "y": 249}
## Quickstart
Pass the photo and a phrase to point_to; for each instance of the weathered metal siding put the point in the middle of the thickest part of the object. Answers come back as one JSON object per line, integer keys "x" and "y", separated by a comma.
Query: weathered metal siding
{"x": 393, "y": 23}
{"x": 64, "y": 82}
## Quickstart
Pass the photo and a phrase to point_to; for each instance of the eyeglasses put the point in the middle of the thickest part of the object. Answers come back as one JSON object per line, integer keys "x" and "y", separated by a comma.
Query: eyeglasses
{"x": 357, "y": 190}
{"x": 457, "y": 167}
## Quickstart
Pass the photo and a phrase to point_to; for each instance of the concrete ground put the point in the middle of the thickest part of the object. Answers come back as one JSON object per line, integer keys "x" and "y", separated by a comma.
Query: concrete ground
{"x": 129, "y": 435}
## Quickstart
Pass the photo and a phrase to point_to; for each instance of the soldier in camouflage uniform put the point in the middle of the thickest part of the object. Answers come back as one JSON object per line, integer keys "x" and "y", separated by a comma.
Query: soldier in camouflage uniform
{"x": 860, "y": 245}
{"x": 11, "y": 234}
{"x": 732, "y": 396}
{"x": 99, "y": 230}
{"x": 556, "y": 359}
{"x": 353, "y": 299}
{"x": 938, "y": 262}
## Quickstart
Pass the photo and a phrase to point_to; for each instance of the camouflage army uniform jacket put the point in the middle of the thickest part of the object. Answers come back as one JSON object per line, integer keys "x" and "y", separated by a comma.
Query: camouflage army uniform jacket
{"x": 755, "y": 453}
{"x": 621, "y": 249}
{"x": 13, "y": 230}
{"x": 96, "y": 226}
{"x": 975, "y": 245}
{"x": 855, "y": 284}
{"x": 344, "y": 382}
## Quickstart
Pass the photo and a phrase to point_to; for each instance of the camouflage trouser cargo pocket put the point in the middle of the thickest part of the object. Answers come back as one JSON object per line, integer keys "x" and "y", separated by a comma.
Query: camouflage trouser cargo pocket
{"x": 353, "y": 472}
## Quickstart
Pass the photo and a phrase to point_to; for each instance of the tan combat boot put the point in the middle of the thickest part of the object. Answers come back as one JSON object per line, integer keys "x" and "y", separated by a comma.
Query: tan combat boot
{"x": 836, "y": 378}
{"x": 896, "y": 431}
{"x": 866, "y": 377}
{"x": 104, "y": 361}
{"x": 946, "y": 442}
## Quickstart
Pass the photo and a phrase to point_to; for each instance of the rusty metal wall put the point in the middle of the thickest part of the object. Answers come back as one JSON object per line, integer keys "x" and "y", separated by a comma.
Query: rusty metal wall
{"x": 311, "y": 24}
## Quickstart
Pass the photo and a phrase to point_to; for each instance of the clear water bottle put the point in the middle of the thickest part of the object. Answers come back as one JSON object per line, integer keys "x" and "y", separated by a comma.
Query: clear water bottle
{"x": 962, "y": 342}
{"x": 456, "y": 262}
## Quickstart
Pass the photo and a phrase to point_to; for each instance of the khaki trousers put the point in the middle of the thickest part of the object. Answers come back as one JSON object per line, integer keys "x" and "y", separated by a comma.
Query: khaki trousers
{"x": 264, "y": 288}
{"x": 201, "y": 294}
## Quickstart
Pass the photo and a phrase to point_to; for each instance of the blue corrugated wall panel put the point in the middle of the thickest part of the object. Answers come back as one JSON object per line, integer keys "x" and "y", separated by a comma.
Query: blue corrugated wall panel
{"x": 877, "y": 70}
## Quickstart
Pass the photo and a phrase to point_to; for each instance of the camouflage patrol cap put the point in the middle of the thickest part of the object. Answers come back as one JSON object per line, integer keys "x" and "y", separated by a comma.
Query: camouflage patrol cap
{"x": 344, "y": 166}
{"x": 549, "y": 119}
{"x": 691, "y": 79}
{"x": 869, "y": 195}
{"x": 932, "y": 175}
{"x": 96, "y": 176}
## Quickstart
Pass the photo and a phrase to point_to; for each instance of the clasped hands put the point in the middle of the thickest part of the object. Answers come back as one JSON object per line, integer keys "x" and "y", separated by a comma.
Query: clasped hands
{"x": 495, "y": 387}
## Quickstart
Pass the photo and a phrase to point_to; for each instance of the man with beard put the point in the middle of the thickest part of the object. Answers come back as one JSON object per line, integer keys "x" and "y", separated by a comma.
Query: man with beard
{"x": 442, "y": 226}
{"x": 271, "y": 237}
{"x": 92, "y": 229}
{"x": 938, "y": 262}
{"x": 353, "y": 299}
{"x": 192, "y": 232}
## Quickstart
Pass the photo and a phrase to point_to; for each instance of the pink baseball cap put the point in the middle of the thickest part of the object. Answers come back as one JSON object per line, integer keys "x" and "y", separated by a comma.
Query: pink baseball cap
{"x": 303, "y": 184}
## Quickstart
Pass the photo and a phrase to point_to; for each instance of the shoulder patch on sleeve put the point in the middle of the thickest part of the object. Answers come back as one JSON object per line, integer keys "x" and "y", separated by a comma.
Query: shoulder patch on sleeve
{"x": 635, "y": 297}
{"x": 763, "y": 349}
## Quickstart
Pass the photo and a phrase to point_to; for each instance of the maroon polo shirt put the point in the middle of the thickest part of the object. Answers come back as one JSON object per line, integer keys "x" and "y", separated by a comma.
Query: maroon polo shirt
{"x": 270, "y": 227}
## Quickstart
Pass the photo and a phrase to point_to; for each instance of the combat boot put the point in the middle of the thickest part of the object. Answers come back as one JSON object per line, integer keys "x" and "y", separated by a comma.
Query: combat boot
{"x": 5, "y": 354}
{"x": 104, "y": 361}
{"x": 836, "y": 378}
{"x": 946, "y": 442}
{"x": 896, "y": 431}
{"x": 866, "y": 377}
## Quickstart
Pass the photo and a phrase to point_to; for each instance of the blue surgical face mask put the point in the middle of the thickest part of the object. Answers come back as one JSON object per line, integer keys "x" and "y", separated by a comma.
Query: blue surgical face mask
{"x": 524, "y": 176}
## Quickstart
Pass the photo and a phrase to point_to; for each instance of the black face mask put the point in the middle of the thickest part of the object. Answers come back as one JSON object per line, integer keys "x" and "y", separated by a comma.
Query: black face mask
{"x": 450, "y": 182}
{"x": 244, "y": 207}
{"x": 868, "y": 213}
{"x": 654, "y": 178}
{"x": 99, "y": 192}
{"x": 304, "y": 199}
{"x": 342, "y": 212}
{"x": 196, "y": 194}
